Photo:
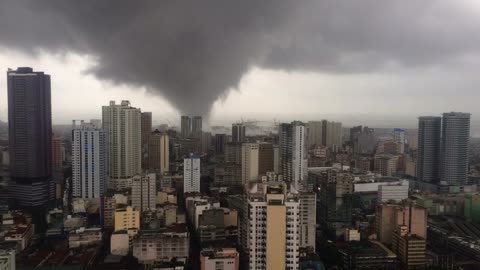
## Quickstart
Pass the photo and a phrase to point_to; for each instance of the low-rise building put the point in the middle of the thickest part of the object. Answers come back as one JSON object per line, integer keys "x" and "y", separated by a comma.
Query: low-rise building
{"x": 410, "y": 248}
{"x": 84, "y": 237}
{"x": 120, "y": 243}
{"x": 393, "y": 192}
{"x": 213, "y": 259}
{"x": 127, "y": 219}
{"x": 21, "y": 234}
{"x": 367, "y": 255}
{"x": 7, "y": 259}
{"x": 352, "y": 235}
{"x": 162, "y": 245}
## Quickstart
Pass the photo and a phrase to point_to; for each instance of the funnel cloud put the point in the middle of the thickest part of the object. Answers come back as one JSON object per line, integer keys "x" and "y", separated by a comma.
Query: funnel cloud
{"x": 193, "y": 52}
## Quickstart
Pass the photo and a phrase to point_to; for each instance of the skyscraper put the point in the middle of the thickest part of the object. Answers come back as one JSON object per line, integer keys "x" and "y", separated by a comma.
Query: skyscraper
{"x": 30, "y": 133}
{"x": 196, "y": 127}
{"x": 249, "y": 162}
{"x": 89, "y": 160}
{"x": 274, "y": 231}
{"x": 293, "y": 153}
{"x": 238, "y": 133}
{"x": 122, "y": 124}
{"x": 428, "y": 152}
{"x": 266, "y": 156}
{"x": 314, "y": 133}
{"x": 399, "y": 139}
{"x": 186, "y": 126}
{"x": 220, "y": 141}
{"x": 191, "y": 174}
{"x": 159, "y": 153}
{"x": 454, "y": 146}
{"x": 324, "y": 133}
{"x": 146, "y": 130}
{"x": 332, "y": 134}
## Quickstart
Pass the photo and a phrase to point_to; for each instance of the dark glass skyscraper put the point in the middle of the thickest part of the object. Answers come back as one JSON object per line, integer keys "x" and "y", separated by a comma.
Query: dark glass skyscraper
{"x": 428, "y": 152}
{"x": 455, "y": 138}
{"x": 30, "y": 137}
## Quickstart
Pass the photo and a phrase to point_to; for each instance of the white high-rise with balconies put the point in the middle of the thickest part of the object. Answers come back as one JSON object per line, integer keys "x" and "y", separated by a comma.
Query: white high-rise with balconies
{"x": 122, "y": 124}
{"x": 89, "y": 160}
{"x": 293, "y": 155}
{"x": 191, "y": 174}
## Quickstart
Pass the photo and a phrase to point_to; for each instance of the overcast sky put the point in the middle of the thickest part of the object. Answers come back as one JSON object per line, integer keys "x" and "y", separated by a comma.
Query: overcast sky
{"x": 361, "y": 62}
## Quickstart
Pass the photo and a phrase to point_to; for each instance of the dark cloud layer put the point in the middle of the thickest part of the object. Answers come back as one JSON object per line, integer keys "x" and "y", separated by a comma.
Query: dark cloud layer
{"x": 192, "y": 52}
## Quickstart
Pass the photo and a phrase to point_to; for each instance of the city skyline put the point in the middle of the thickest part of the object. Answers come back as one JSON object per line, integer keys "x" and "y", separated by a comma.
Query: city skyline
{"x": 239, "y": 135}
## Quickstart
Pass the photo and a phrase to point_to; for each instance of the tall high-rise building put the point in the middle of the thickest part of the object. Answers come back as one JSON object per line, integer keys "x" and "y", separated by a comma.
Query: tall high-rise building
{"x": 238, "y": 133}
{"x": 364, "y": 140}
{"x": 308, "y": 219}
{"x": 314, "y": 133}
{"x": 220, "y": 141}
{"x": 30, "y": 133}
{"x": 335, "y": 201}
{"x": 89, "y": 160}
{"x": 266, "y": 156}
{"x": 249, "y": 162}
{"x": 293, "y": 155}
{"x": 196, "y": 127}
{"x": 428, "y": 151}
{"x": 233, "y": 153}
{"x": 144, "y": 192}
{"x": 159, "y": 153}
{"x": 58, "y": 152}
{"x": 146, "y": 130}
{"x": 332, "y": 134}
{"x": 122, "y": 124}
{"x": 186, "y": 126}
{"x": 454, "y": 147}
{"x": 274, "y": 231}
{"x": 399, "y": 139}
{"x": 206, "y": 142}
{"x": 326, "y": 133}
{"x": 191, "y": 174}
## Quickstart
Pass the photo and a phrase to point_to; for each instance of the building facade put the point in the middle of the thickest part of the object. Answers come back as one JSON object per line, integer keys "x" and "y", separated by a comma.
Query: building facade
{"x": 122, "y": 124}
{"x": 238, "y": 133}
{"x": 250, "y": 162}
{"x": 146, "y": 130}
{"x": 89, "y": 160}
{"x": 274, "y": 236}
{"x": 164, "y": 245}
{"x": 30, "y": 133}
{"x": 399, "y": 139}
{"x": 196, "y": 127}
{"x": 428, "y": 151}
{"x": 144, "y": 192}
{"x": 293, "y": 154}
{"x": 159, "y": 153}
{"x": 224, "y": 258}
{"x": 454, "y": 147}
{"x": 191, "y": 174}
{"x": 186, "y": 126}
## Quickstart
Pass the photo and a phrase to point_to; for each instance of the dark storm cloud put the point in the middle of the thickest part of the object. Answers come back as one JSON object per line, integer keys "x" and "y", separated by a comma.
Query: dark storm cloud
{"x": 192, "y": 52}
